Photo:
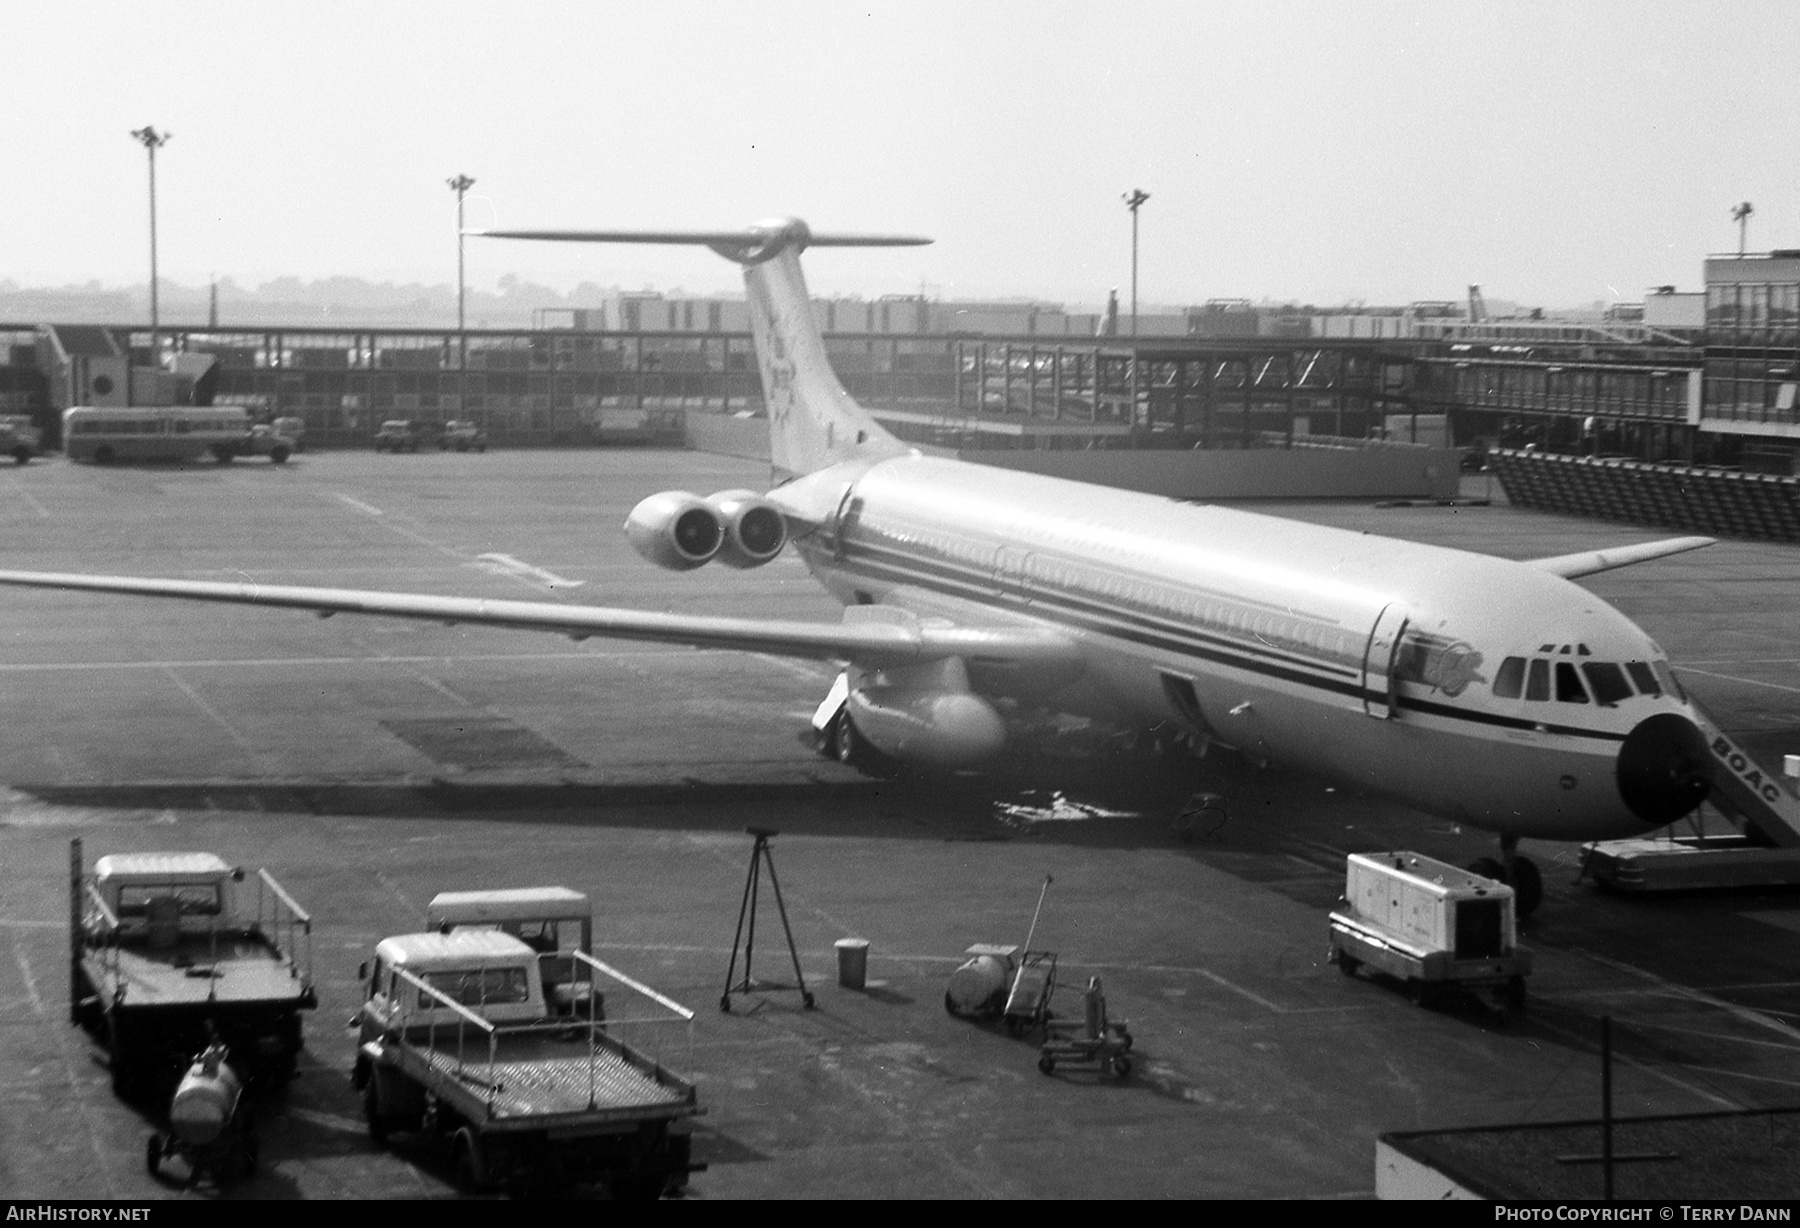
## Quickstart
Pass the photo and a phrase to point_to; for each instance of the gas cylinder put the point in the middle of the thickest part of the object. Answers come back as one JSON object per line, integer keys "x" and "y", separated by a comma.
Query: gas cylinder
{"x": 978, "y": 987}
{"x": 206, "y": 1099}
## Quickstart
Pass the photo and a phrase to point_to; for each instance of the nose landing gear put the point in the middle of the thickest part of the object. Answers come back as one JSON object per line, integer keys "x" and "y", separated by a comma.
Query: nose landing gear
{"x": 1516, "y": 871}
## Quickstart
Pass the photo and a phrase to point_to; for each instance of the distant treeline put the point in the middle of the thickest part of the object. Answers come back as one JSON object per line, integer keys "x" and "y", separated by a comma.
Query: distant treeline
{"x": 350, "y": 301}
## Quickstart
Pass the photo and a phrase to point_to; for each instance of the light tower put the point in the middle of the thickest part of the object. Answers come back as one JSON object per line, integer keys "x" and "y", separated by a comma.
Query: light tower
{"x": 460, "y": 185}
{"x": 1741, "y": 215}
{"x": 1134, "y": 200}
{"x": 152, "y": 140}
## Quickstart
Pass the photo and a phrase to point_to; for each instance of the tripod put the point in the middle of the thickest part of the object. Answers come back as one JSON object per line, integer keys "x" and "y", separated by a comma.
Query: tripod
{"x": 759, "y": 857}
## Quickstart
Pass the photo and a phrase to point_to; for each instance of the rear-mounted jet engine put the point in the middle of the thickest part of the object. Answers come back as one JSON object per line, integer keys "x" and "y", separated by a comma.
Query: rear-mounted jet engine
{"x": 755, "y": 531}
{"x": 681, "y": 531}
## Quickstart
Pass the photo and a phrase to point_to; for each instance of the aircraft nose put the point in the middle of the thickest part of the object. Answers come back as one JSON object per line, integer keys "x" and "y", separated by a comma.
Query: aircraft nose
{"x": 1665, "y": 768}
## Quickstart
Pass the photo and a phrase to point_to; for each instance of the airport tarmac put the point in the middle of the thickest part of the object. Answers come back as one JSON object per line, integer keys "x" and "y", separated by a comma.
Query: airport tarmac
{"x": 371, "y": 764}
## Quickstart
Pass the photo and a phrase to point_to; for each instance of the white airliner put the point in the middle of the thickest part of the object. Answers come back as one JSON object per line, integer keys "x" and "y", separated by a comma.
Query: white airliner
{"x": 1495, "y": 693}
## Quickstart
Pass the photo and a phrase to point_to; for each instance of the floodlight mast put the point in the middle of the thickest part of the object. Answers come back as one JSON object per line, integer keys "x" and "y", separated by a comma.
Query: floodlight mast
{"x": 152, "y": 140}
{"x": 1741, "y": 215}
{"x": 460, "y": 185}
{"x": 1134, "y": 200}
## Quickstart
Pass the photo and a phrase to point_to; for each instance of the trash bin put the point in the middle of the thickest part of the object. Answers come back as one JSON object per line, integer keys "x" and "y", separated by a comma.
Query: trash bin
{"x": 853, "y": 962}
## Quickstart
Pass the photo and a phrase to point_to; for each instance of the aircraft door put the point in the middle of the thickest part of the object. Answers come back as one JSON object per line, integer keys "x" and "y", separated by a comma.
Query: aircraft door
{"x": 1378, "y": 661}
{"x": 837, "y": 527}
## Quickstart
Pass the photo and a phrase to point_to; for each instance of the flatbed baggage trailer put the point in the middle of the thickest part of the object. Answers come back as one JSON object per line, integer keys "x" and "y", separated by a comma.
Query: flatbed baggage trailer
{"x": 458, "y": 1044}
{"x": 1430, "y": 925}
{"x": 165, "y": 959}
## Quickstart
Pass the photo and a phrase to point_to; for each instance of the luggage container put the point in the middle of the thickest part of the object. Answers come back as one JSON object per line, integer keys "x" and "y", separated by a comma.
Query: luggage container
{"x": 1430, "y": 925}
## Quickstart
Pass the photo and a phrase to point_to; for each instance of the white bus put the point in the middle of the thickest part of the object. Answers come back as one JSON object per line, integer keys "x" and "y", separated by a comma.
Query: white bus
{"x": 166, "y": 433}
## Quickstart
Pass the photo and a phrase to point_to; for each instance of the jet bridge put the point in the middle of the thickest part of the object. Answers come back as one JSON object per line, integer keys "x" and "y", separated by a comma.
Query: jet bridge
{"x": 1761, "y": 848}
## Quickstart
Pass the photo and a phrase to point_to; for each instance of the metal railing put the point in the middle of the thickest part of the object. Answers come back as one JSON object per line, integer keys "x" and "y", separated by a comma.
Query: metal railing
{"x": 596, "y": 1028}
{"x": 100, "y": 924}
{"x": 282, "y": 915}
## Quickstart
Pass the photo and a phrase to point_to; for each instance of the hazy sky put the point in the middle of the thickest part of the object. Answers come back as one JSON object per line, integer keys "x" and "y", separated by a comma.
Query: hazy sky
{"x": 1556, "y": 153}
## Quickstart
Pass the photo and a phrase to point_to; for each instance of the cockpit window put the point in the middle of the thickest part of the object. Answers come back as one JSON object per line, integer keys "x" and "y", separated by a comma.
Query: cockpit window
{"x": 1537, "y": 682}
{"x": 1568, "y": 684}
{"x": 1644, "y": 676}
{"x": 1607, "y": 681}
{"x": 1509, "y": 678}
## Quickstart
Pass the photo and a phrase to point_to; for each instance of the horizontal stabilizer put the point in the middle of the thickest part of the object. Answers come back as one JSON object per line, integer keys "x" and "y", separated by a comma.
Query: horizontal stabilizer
{"x": 747, "y": 245}
{"x": 742, "y": 237}
{"x": 859, "y": 640}
{"x": 1588, "y": 562}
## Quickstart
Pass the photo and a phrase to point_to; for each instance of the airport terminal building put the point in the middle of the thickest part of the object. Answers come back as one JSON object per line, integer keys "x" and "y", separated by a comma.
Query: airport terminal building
{"x": 1687, "y": 377}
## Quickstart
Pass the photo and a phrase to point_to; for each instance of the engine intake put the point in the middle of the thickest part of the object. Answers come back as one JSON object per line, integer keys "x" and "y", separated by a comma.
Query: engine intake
{"x": 676, "y": 530}
{"x": 755, "y": 530}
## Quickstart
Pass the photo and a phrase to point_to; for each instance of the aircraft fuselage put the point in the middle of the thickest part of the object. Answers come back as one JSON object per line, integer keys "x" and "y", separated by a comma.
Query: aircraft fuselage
{"x": 1357, "y": 658}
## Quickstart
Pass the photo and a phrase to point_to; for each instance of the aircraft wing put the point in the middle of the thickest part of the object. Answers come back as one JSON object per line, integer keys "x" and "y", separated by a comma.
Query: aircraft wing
{"x": 878, "y": 636}
{"x": 1571, "y": 566}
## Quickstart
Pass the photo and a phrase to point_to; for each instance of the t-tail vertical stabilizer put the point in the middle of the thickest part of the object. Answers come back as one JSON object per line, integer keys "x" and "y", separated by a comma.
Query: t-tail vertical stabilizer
{"x": 813, "y": 421}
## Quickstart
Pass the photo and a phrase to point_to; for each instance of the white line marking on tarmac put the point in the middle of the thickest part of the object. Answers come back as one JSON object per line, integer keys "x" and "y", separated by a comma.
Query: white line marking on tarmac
{"x": 31, "y": 989}
{"x": 213, "y": 713}
{"x": 902, "y": 957}
{"x": 388, "y": 522}
{"x": 1239, "y": 990}
{"x": 30, "y": 499}
{"x": 101, "y": 1170}
{"x": 1744, "y": 1013}
{"x": 1586, "y": 1043}
{"x": 1738, "y": 1074}
{"x": 507, "y": 565}
{"x": 358, "y": 504}
{"x": 1773, "y": 686}
{"x": 800, "y": 669}
{"x": 1642, "y": 1025}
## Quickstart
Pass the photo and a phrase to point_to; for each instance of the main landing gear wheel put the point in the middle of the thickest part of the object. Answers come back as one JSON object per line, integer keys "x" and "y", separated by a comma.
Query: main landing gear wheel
{"x": 846, "y": 741}
{"x": 852, "y": 749}
{"x": 1527, "y": 883}
{"x": 1519, "y": 873}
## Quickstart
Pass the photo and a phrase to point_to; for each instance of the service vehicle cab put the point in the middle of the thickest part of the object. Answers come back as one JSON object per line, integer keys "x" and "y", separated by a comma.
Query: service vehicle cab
{"x": 458, "y": 1045}
{"x": 553, "y": 921}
